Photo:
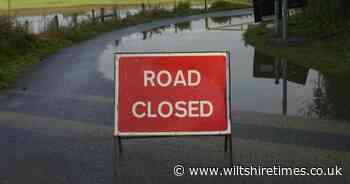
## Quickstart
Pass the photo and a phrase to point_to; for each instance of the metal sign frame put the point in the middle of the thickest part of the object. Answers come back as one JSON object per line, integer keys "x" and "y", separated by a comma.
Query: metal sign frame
{"x": 118, "y": 137}
{"x": 167, "y": 54}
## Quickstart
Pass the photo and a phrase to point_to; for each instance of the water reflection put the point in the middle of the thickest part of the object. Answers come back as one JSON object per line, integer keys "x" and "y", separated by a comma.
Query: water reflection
{"x": 227, "y": 23}
{"x": 178, "y": 28}
{"x": 44, "y": 20}
{"x": 149, "y": 33}
{"x": 272, "y": 68}
{"x": 183, "y": 26}
{"x": 216, "y": 23}
{"x": 221, "y": 20}
{"x": 331, "y": 98}
{"x": 277, "y": 69}
{"x": 260, "y": 82}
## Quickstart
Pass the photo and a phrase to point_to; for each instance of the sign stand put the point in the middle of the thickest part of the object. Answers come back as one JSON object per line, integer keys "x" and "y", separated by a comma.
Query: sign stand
{"x": 131, "y": 63}
{"x": 118, "y": 146}
{"x": 228, "y": 140}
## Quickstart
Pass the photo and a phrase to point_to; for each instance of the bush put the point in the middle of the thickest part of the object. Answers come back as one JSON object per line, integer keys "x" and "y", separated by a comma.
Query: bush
{"x": 182, "y": 8}
{"x": 14, "y": 40}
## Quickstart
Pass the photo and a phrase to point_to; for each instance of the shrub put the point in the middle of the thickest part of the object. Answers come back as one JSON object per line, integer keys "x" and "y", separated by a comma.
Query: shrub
{"x": 14, "y": 40}
{"x": 182, "y": 7}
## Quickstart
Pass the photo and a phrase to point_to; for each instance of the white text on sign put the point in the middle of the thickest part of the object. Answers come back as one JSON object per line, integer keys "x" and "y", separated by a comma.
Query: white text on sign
{"x": 166, "y": 109}
{"x": 165, "y": 79}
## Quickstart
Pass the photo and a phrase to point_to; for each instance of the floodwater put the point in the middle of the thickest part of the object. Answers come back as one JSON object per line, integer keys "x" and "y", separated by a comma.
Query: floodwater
{"x": 260, "y": 83}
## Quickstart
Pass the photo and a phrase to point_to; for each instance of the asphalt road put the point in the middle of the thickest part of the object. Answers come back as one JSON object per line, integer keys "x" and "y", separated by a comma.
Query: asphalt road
{"x": 56, "y": 126}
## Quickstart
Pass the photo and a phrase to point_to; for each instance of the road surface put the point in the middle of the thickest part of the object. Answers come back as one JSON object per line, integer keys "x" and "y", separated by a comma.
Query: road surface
{"x": 56, "y": 127}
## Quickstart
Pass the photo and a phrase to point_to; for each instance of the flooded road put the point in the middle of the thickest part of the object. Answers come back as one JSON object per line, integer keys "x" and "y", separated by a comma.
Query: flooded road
{"x": 56, "y": 122}
{"x": 260, "y": 83}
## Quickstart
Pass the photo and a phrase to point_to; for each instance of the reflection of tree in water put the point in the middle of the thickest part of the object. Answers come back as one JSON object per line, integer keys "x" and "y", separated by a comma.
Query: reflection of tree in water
{"x": 269, "y": 67}
{"x": 276, "y": 69}
{"x": 331, "y": 95}
{"x": 221, "y": 20}
{"x": 183, "y": 26}
{"x": 149, "y": 33}
{"x": 331, "y": 98}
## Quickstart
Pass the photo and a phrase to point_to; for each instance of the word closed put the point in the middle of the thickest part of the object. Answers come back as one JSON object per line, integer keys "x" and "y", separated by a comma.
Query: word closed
{"x": 171, "y": 94}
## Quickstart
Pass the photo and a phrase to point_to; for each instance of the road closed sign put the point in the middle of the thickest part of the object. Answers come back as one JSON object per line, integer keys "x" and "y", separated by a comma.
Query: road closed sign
{"x": 172, "y": 94}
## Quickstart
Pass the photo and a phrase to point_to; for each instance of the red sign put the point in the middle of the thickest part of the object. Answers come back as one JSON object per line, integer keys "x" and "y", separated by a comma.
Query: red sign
{"x": 172, "y": 94}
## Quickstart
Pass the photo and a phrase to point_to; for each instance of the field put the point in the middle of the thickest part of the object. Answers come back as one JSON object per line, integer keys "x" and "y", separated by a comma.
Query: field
{"x": 33, "y": 4}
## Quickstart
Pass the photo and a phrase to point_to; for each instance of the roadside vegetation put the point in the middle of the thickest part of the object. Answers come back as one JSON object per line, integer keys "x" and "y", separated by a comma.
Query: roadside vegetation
{"x": 322, "y": 27}
{"x": 19, "y": 49}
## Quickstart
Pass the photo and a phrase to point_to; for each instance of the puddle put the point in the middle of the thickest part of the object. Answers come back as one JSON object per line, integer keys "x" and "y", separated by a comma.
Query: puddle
{"x": 259, "y": 82}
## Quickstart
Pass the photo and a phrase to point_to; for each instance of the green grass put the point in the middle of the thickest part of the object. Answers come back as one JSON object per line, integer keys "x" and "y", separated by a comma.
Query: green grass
{"x": 19, "y": 49}
{"x": 330, "y": 56}
{"x": 21, "y": 4}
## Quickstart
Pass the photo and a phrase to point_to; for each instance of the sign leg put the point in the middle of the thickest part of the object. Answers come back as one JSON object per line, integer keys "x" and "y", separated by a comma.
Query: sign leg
{"x": 120, "y": 149}
{"x": 114, "y": 161}
{"x": 231, "y": 152}
{"x": 226, "y": 137}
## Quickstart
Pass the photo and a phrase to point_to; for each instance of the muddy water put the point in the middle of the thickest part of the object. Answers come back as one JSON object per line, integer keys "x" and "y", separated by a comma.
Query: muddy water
{"x": 260, "y": 82}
